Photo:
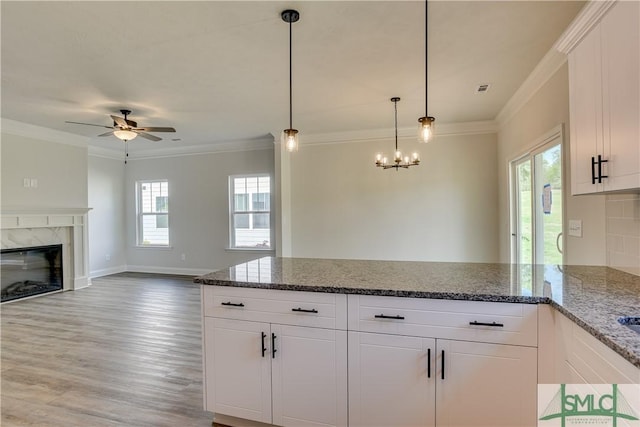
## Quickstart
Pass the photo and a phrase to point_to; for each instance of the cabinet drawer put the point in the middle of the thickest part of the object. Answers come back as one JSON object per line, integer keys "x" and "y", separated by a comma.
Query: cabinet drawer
{"x": 314, "y": 309}
{"x": 491, "y": 322}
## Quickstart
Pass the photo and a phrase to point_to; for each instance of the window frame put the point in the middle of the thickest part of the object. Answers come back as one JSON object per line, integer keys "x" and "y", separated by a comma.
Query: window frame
{"x": 232, "y": 212}
{"x": 140, "y": 215}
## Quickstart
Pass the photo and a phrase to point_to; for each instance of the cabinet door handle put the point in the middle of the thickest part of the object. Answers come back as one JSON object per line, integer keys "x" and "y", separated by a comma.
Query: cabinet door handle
{"x": 593, "y": 170}
{"x": 428, "y": 363}
{"x": 264, "y": 349}
{"x": 304, "y": 310}
{"x": 442, "y": 364}
{"x": 273, "y": 346}
{"x": 600, "y": 162}
{"x": 382, "y": 316}
{"x": 233, "y": 304}
{"x": 498, "y": 325}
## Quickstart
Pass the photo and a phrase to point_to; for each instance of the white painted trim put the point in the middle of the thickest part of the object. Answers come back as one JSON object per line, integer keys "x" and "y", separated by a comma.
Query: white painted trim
{"x": 107, "y": 271}
{"x": 265, "y": 143}
{"x": 13, "y": 127}
{"x": 168, "y": 270}
{"x": 586, "y": 19}
{"x": 545, "y": 69}
{"x": 368, "y": 135}
{"x": 106, "y": 153}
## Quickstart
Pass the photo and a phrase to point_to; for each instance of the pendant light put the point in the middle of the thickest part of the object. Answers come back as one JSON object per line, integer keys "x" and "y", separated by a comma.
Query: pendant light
{"x": 398, "y": 160}
{"x": 290, "y": 136}
{"x": 426, "y": 123}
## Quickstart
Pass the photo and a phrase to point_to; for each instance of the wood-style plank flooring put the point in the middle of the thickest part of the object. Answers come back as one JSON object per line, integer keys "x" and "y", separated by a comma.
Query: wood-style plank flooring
{"x": 125, "y": 351}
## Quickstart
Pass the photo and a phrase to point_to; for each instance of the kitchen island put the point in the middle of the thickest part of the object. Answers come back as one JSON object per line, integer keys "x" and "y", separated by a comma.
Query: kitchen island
{"x": 411, "y": 311}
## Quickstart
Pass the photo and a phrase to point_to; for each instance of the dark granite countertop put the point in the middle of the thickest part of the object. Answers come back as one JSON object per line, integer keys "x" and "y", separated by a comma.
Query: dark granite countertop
{"x": 593, "y": 297}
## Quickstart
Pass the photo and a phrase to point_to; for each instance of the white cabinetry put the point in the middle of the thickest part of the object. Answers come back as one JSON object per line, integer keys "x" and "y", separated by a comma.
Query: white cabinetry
{"x": 439, "y": 362}
{"x": 604, "y": 93}
{"x": 261, "y": 365}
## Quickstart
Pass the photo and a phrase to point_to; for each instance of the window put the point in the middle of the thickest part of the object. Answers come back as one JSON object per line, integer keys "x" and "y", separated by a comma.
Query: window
{"x": 250, "y": 211}
{"x": 152, "y": 198}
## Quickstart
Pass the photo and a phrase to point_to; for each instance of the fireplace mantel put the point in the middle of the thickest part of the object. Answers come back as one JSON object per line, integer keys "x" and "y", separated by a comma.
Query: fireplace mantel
{"x": 68, "y": 225}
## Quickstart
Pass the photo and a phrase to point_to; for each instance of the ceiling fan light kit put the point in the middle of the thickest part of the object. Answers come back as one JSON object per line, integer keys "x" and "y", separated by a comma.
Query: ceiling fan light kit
{"x": 426, "y": 128}
{"x": 290, "y": 136}
{"x": 125, "y": 135}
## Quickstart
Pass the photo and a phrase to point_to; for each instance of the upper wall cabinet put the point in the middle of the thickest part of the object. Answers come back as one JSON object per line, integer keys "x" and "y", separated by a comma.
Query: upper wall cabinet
{"x": 604, "y": 92}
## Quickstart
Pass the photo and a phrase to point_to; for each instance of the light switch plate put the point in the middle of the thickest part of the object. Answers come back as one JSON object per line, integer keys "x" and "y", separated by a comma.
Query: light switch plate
{"x": 575, "y": 227}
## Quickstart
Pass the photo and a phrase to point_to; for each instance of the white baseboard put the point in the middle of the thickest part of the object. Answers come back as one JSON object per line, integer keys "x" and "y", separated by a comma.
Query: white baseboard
{"x": 107, "y": 271}
{"x": 168, "y": 270}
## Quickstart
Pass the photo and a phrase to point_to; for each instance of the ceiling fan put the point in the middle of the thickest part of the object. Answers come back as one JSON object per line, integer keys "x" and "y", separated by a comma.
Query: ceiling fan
{"x": 126, "y": 130}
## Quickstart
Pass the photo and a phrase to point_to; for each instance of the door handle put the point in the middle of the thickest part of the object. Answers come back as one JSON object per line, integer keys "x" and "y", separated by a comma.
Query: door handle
{"x": 264, "y": 349}
{"x": 593, "y": 170}
{"x": 273, "y": 345}
{"x": 558, "y": 241}
{"x": 428, "y": 363}
{"x": 442, "y": 364}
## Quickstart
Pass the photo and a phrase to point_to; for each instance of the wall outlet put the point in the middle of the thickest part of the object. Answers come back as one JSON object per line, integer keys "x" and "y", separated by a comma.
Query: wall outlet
{"x": 575, "y": 227}
{"x": 26, "y": 183}
{"x": 183, "y": 257}
{"x": 34, "y": 182}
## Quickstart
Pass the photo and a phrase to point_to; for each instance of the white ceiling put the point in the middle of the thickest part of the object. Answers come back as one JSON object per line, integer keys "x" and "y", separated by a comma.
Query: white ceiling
{"x": 218, "y": 71}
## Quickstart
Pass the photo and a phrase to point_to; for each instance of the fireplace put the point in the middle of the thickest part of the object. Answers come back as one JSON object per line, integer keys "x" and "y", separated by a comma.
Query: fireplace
{"x": 30, "y": 271}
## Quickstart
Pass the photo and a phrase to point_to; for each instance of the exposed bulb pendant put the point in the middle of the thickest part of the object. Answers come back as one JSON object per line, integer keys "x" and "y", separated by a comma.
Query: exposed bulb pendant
{"x": 426, "y": 128}
{"x": 398, "y": 160}
{"x": 290, "y": 136}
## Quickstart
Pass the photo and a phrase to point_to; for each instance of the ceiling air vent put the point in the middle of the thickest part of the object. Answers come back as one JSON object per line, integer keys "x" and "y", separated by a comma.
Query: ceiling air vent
{"x": 482, "y": 88}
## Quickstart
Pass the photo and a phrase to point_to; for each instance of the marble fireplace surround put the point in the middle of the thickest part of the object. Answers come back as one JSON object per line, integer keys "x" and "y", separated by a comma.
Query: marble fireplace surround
{"x": 49, "y": 226}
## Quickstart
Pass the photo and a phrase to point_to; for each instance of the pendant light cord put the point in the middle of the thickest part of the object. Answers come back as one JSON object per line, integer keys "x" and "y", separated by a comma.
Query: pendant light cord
{"x": 395, "y": 106}
{"x": 290, "y": 76}
{"x": 426, "y": 53}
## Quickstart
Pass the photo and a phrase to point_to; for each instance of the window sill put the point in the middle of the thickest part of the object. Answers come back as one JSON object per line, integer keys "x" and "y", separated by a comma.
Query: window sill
{"x": 161, "y": 247}
{"x": 257, "y": 250}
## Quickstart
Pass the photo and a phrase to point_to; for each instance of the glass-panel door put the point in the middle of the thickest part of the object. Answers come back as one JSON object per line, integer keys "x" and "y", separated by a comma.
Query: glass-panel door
{"x": 537, "y": 204}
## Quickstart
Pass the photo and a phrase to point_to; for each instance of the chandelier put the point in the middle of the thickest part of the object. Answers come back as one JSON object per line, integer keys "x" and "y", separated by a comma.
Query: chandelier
{"x": 398, "y": 161}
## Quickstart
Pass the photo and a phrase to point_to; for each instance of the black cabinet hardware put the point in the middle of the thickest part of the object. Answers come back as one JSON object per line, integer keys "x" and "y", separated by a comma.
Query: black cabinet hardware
{"x": 474, "y": 323}
{"x": 442, "y": 364}
{"x": 599, "y": 162}
{"x": 382, "y": 316}
{"x": 233, "y": 304}
{"x": 273, "y": 346}
{"x": 428, "y": 363}
{"x": 264, "y": 349}
{"x": 304, "y": 310}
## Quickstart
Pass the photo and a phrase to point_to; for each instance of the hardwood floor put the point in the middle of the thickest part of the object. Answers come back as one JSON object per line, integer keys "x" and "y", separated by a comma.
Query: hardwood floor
{"x": 125, "y": 351}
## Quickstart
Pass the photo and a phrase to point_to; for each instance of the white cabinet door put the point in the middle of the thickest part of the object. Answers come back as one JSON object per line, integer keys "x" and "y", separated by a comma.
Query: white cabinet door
{"x": 237, "y": 373}
{"x": 621, "y": 95}
{"x": 389, "y": 380}
{"x": 309, "y": 377}
{"x": 485, "y": 384}
{"x": 585, "y": 96}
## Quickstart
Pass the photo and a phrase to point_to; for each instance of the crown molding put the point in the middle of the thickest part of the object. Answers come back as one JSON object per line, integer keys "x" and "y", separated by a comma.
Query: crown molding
{"x": 106, "y": 153}
{"x": 545, "y": 69}
{"x": 13, "y": 127}
{"x": 369, "y": 135}
{"x": 586, "y": 19}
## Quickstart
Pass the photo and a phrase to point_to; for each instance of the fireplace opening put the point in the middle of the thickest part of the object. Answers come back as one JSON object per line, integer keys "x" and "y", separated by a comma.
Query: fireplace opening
{"x": 30, "y": 271}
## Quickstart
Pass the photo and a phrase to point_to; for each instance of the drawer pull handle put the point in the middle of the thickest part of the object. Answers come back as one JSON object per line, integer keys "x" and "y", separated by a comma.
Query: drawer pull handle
{"x": 304, "y": 310}
{"x": 383, "y": 316}
{"x": 428, "y": 363}
{"x": 498, "y": 325}
{"x": 233, "y": 304}
{"x": 442, "y": 364}
{"x": 264, "y": 349}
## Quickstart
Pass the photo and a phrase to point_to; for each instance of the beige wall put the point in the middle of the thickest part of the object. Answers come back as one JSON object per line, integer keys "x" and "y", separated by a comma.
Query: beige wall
{"x": 445, "y": 209}
{"x": 549, "y": 108}
{"x": 61, "y": 171}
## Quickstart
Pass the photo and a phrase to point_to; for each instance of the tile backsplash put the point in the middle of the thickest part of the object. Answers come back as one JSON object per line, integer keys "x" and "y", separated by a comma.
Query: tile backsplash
{"x": 623, "y": 232}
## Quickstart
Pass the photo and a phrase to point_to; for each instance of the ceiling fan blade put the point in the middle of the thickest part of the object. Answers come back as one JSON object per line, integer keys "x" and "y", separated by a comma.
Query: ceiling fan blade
{"x": 106, "y": 134}
{"x": 156, "y": 129}
{"x": 90, "y": 124}
{"x": 148, "y": 136}
{"x": 120, "y": 121}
